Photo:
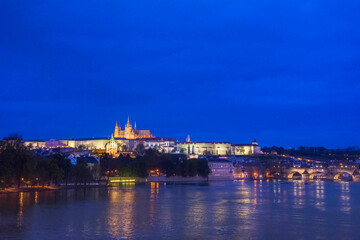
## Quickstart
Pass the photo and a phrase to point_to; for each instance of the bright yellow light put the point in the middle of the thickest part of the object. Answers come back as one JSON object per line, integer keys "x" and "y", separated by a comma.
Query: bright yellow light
{"x": 122, "y": 180}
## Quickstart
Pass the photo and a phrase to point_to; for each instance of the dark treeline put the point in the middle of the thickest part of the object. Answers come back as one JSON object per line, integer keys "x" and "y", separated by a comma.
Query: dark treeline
{"x": 20, "y": 166}
{"x": 152, "y": 160}
{"x": 318, "y": 152}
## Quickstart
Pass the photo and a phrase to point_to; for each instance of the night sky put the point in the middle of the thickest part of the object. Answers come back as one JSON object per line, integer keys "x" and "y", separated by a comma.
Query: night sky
{"x": 284, "y": 72}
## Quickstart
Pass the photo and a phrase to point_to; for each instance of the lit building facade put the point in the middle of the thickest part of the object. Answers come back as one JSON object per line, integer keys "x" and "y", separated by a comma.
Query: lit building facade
{"x": 221, "y": 169}
{"x": 204, "y": 148}
{"x": 217, "y": 148}
{"x": 166, "y": 145}
{"x": 35, "y": 144}
{"x": 246, "y": 149}
{"x": 94, "y": 143}
{"x": 131, "y": 133}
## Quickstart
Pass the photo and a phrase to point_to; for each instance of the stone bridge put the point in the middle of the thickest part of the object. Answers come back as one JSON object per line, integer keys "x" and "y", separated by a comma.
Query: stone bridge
{"x": 323, "y": 173}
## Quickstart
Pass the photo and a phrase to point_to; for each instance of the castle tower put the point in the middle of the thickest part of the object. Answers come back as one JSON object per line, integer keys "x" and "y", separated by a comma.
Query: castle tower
{"x": 116, "y": 132}
{"x": 188, "y": 138}
{"x": 129, "y": 133}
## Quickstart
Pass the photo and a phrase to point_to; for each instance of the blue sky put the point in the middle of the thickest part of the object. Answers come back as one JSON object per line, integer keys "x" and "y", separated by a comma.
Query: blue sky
{"x": 284, "y": 72}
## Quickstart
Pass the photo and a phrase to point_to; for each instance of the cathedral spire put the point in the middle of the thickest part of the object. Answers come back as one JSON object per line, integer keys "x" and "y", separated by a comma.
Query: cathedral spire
{"x": 135, "y": 126}
{"x": 117, "y": 130}
{"x": 128, "y": 120}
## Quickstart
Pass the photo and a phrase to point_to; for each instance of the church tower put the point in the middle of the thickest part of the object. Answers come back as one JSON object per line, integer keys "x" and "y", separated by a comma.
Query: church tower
{"x": 129, "y": 133}
{"x": 111, "y": 146}
{"x": 117, "y": 130}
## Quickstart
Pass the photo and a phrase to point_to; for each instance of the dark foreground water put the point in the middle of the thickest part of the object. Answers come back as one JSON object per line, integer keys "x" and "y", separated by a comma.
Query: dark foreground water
{"x": 226, "y": 210}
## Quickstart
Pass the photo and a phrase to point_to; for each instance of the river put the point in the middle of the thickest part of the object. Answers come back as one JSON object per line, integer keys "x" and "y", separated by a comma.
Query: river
{"x": 215, "y": 210}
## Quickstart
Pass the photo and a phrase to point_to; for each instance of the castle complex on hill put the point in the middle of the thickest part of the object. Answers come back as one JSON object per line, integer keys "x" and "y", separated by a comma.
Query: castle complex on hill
{"x": 131, "y": 133}
{"x": 128, "y": 139}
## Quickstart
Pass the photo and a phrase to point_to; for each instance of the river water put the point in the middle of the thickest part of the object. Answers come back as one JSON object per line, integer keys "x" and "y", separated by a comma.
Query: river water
{"x": 218, "y": 210}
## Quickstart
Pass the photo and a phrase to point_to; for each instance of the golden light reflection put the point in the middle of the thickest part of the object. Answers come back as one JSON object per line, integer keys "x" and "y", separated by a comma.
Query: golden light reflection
{"x": 120, "y": 216}
{"x": 21, "y": 209}
{"x": 36, "y": 197}
{"x": 255, "y": 192}
{"x": 154, "y": 191}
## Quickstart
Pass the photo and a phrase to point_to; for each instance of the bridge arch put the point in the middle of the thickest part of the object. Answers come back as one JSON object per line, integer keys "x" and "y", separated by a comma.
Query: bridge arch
{"x": 340, "y": 176}
{"x": 295, "y": 175}
{"x": 316, "y": 175}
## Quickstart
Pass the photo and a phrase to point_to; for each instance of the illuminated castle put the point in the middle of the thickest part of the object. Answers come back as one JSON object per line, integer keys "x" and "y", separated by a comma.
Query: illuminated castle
{"x": 131, "y": 133}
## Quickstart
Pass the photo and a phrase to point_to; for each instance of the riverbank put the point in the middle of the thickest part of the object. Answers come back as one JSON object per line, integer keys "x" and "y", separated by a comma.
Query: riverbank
{"x": 28, "y": 189}
{"x": 176, "y": 179}
{"x": 49, "y": 188}
{"x": 158, "y": 179}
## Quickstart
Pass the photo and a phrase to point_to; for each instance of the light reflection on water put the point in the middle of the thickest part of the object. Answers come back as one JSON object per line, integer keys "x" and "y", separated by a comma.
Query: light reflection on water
{"x": 299, "y": 193}
{"x": 320, "y": 197}
{"x": 345, "y": 197}
{"x": 21, "y": 209}
{"x": 120, "y": 213}
{"x": 226, "y": 210}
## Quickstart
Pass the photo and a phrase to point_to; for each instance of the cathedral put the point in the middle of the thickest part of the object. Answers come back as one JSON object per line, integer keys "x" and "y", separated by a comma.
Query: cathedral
{"x": 131, "y": 133}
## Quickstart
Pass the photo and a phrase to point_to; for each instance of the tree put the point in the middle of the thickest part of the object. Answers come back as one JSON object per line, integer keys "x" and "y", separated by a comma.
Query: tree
{"x": 66, "y": 166}
{"x": 124, "y": 148}
{"x": 82, "y": 147}
{"x": 207, "y": 153}
{"x": 104, "y": 163}
{"x": 61, "y": 168}
{"x": 168, "y": 167}
{"x": 139, "y": 167}
{"x": 203, "y": 168}
{"x": 53, "y": 169}
{"x": 140, "y": 149}
{"x": 192, "y": 168}
{"x": 82, "y": 172}
{"x": 6, "y": 169}
{"x": 17, "y": 161}
{"x": 95, "y": 172}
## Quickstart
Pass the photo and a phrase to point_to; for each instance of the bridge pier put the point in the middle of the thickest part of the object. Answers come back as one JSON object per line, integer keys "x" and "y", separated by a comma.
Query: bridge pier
{"x": 331, "y": 174}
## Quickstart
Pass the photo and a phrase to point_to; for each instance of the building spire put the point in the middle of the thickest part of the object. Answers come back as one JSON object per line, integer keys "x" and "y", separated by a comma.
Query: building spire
{"x": 128, "y": 120}
{"x": 135, "y": 126}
